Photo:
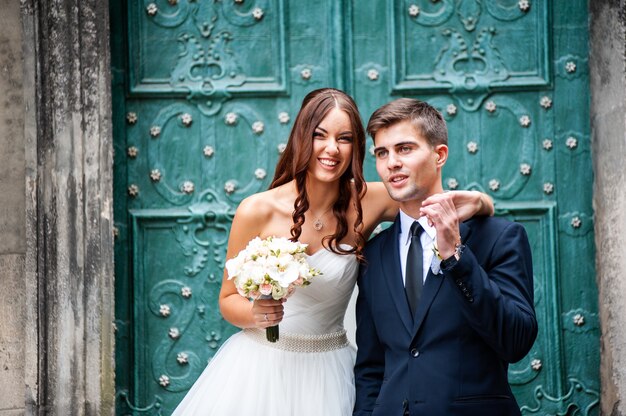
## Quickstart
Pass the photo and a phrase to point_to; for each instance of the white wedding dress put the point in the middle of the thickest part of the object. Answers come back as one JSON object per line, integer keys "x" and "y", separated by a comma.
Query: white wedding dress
{"x": 308, "y": 372}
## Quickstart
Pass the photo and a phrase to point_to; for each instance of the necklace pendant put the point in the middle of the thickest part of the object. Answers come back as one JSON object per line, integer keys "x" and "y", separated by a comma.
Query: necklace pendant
{"x": 318, "y": 225}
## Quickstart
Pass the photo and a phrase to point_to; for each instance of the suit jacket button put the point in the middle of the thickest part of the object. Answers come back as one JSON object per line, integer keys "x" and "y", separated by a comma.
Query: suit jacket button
{"x": 414, "y": 352}
{"x": 459, "y": 282}
{"x": 470, "y": 299}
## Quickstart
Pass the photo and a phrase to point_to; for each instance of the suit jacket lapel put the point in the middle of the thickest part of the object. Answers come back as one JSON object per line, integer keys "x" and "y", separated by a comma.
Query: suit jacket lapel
{"x": 432, "y": 285}
{"x": 390, "y": 258}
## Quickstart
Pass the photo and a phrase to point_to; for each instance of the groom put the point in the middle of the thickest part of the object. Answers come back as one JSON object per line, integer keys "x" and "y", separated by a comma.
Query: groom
{"x": 435, "y": 337}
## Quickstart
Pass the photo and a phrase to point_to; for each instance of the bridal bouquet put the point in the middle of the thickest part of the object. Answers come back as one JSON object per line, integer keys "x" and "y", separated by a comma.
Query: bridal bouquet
{"x": 272, "y": 267}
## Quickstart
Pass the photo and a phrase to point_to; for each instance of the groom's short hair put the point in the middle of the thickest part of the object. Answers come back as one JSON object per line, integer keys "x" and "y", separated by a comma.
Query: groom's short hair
{"x": 425, "y": 118}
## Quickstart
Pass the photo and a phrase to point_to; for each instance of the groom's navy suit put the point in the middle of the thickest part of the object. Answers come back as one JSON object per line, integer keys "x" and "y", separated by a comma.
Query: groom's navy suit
{"x": 452, "y": 357}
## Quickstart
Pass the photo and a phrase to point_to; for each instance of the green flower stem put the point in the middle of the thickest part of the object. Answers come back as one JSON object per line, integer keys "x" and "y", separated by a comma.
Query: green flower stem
{"x": 271, "y": 332}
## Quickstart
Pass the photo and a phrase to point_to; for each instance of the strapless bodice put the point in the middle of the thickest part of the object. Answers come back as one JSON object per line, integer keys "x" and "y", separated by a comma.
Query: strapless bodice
{"x": 319, "y": 308}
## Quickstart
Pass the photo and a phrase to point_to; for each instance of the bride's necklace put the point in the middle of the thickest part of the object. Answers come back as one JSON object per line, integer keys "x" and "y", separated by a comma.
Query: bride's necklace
{"x": 318, "y": 224}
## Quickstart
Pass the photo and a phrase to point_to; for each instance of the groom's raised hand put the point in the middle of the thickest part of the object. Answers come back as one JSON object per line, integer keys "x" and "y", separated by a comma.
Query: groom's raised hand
{"x": 442, "y": 214}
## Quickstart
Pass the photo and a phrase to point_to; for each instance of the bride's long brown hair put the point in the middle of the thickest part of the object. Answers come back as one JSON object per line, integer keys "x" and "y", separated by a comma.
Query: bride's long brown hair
{"x": 294, "y": 164}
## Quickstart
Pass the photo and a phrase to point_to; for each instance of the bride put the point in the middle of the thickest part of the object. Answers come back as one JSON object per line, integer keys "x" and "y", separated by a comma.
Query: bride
{"x": 318, "y": 197}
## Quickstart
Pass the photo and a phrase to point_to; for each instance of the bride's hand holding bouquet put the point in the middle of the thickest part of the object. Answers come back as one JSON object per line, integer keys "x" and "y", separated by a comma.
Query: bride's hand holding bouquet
{"x": 268, "y": 271}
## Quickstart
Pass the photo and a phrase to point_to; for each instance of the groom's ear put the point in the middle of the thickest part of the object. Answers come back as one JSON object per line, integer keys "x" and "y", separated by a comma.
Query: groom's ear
{"x": 441, "y": 155}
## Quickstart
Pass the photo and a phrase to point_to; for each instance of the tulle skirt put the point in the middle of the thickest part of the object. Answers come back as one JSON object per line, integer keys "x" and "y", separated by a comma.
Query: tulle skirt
{"x": 248, "y": 377}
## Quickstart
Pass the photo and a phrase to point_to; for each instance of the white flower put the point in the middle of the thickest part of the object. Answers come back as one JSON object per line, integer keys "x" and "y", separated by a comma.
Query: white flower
{"x": 133, "y": 190}
{"x": 536, "y": 364}
{"x": 548, "y": 188}
{"x": 284, "y": 274}
{"x": 186, "y": 119}
{"x": 155, "y": 131}
{"x": 579, "y": 320}
{"x": 164, "y": 310}
{"x": 278, "y": 291}
{"x": 414, "y": 10}
{"x": 164, "y": 380}
{"x": 257, "y": 271}
{"x": 258, "y": 127}
{"x": 547, "y": 144}
{"x": 182, "y": 358}
{"x": 152, "y": 9}
{"x": 229, "y": 187}
{"x": 234, "y": 265}
{"x": 260, "y": 173}
{"x": 453, "y": 183}
{"x": 131, "y": 117}
{"x": 257, "y": 13}
{"x": 435, "y": 266}
{"x": 174, "y": 333}
{"x": 571, "y": 142}
{"x": 524, "y": 121}
{"x": 305, "y": 271}
{"x": 254, "y": 245}
{"x": 187, "y": 187}
{"x": 306, "y": 73}
{"x": 524, "y": 5}
{"x": 545, "y": 102}
{"x": 451, "y": 109}
{"x": 286, "y": 246}
{"x": 230, "y": 118}
{"x": 155, "y": 175}
{"x": 283, "y": 117}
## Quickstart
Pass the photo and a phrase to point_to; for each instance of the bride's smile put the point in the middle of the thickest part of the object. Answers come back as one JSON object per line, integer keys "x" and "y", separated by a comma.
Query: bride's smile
{"x": 332, "y": 147}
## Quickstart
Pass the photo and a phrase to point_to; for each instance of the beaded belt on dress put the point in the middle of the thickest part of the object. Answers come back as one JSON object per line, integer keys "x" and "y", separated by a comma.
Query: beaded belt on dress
{"x": 302, "y": 343}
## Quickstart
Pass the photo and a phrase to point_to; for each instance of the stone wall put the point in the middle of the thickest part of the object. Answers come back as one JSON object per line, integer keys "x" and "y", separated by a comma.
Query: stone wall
{"x": 608, "y": 120}
{"x": 56, "y": 245}
{"x": 71, "y": 212}
{"x": 12, "y": 215}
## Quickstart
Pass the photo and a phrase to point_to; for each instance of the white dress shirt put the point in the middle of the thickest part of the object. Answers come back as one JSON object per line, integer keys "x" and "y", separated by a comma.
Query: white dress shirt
{"x": 427, "y": 239}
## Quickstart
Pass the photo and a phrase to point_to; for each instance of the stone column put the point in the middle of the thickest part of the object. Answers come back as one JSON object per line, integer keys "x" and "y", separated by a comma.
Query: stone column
{"x": 69, "y": 256}
{"x": 12, "y": 218}
{"x": 608, "y": 124}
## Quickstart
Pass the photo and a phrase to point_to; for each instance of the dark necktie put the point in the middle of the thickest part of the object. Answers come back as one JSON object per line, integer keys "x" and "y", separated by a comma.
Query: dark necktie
{"x": 414, "y": 280}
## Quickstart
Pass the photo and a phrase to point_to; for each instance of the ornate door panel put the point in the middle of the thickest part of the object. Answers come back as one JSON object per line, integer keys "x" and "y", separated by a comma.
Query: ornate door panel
{"x": 205, "y": 96}
{"x": 510, "y": 78}
{"x": 205, "y": 92}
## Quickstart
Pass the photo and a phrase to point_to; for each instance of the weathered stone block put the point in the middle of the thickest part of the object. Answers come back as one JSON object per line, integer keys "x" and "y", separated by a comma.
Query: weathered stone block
{"x": 12, "y": 311}
{"x": 12, "y": 163}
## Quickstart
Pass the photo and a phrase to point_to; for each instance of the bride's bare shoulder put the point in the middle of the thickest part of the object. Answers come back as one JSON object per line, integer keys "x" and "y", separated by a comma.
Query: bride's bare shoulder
{"x": 263, "y": 206}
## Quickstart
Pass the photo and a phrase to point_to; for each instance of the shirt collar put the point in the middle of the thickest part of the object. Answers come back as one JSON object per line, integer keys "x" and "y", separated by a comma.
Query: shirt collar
{"x": 405, "y": 225}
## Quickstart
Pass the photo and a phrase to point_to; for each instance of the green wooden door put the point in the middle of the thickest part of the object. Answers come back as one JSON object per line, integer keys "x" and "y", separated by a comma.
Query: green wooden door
{"x": 205, "y": 93}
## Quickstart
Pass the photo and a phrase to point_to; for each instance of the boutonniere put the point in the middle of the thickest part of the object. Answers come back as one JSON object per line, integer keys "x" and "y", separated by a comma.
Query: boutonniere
{"x": 435, "y": 264}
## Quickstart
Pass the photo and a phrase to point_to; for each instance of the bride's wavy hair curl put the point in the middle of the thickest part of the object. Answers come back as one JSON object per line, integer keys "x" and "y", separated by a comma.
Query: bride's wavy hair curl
{"x": 294, "y": 164}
